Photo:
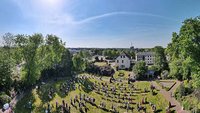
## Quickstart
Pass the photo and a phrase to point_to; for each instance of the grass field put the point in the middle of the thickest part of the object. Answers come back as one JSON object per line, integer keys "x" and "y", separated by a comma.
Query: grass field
{"x": 39, "y": 99}
{"x": 166, "y": 84}
{"x": 100, "y": 63}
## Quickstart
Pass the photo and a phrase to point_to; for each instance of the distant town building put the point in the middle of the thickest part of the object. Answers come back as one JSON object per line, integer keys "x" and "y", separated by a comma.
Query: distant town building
{"x": 100, "y": 58}
{"x": 123, "y": 61}
{"x": 148, "y": 57}
{"x": 74, "y": 50}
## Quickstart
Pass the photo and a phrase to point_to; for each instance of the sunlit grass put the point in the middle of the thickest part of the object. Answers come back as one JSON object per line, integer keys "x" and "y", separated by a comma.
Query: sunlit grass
{"x": 39, "y": 105}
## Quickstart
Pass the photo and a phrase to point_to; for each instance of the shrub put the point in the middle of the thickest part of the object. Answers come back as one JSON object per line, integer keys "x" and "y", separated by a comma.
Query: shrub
{"x": 106, "y": 71}
{"x": 4, "y": 99}
{"x": 180, "y": 91}
{"x": 165, "y": 74}
{"x": 101, "y": 70}
{"x": 186, "y": 105}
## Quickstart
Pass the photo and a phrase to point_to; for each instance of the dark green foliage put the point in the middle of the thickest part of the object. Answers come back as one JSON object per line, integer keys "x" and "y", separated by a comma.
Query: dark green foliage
{"x": 91, "y": 68}
{"x": 181, "y": 90}
{"x": 29, "y": 48}
{"x": 36, "y": 55}
{"x": 110, "y": 53}
{"x": 184, "y": 51}
{"x": 97, "y": 59}
{"x": 79, "y": 64}
{"x": 63, "y": 68}
{"x": 100, "y": 70}
{"x": 42, "y": 55}
{"x": 140, "y": 69}
{"x": 66, "y": 63}
{"x": 4, "y": 98}
{"x": 106, "y": 71}
{"x": 5, "y": 75}
{"x": 6, "y": 63}
{"x": 160, "y": 58}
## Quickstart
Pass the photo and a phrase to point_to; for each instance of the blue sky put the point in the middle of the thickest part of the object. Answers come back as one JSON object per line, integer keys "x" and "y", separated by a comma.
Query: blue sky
{"x": 99, "y": 23}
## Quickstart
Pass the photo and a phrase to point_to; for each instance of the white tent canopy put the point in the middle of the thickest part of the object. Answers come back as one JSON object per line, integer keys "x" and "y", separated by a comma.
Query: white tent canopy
{"x": 6, "y": 106}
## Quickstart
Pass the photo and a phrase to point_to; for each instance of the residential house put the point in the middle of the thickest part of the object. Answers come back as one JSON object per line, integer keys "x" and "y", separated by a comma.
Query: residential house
{"x": 123, "y": 61}
{"x": 148, "y": 57}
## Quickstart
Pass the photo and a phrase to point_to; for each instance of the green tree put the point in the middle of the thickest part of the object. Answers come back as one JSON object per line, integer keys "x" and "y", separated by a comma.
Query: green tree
{"x": 54, "y": 50}
{"x": 6, "y": 62}
{"x": 196, "y": 79}
{"x": 140, "y": 69}
{"x": 78, "y": 63}
{"x": 5, "y": 72}
{"x": 66, "y": 63}
{"x": 176, "y": 69}
{"x": 160, "y": 58}
{"x": 185, "y": 48}
{"x": 29, "y": 48}
{"x": 85, "y": 54}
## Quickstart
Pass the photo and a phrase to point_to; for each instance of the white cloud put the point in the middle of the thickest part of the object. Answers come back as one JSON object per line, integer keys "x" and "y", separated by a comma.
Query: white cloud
{"x": 122, "y": 13}
{"x": 51, "y": 16}
{"x": 54, "y": 12}
{"x": 66, "y": 19}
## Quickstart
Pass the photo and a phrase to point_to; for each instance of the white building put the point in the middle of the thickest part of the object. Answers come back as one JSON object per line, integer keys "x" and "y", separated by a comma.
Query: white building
{"x": 99, "y": 57}
{"x": 148, "y": 57}
{"x": 123, "y": 61}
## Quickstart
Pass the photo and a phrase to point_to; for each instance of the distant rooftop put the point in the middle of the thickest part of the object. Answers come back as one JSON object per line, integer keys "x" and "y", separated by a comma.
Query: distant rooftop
{"x": 125, "y": 54}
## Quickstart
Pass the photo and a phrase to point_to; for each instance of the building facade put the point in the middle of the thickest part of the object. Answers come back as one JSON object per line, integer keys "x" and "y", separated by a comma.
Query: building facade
{"x": 123, "y": 61}
{"x": 148, "y": 57}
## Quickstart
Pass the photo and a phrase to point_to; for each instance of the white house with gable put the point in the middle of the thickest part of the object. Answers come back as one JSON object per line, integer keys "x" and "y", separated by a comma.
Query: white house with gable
{"x": 123, "y": 61}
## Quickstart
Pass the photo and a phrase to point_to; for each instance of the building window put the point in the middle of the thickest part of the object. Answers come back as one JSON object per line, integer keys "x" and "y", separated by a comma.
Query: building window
{"x": 117, "y": 61}
{"x": 122, "y": 66}
{"x": 122, "y": 61}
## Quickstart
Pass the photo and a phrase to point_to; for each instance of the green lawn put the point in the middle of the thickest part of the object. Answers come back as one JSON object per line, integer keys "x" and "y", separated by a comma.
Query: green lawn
{"x": 40, "y": 100}
{"x": 166, "y": 84}
{"x": 126, "y": 73}
{"x": 100, "y": 63}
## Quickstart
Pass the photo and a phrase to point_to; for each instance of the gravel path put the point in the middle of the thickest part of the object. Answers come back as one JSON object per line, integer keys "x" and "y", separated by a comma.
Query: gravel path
{"x": 167, "y": 94}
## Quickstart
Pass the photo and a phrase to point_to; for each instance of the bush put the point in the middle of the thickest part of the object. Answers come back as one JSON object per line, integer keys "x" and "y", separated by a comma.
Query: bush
{"x": 165, "y": 74}
{"x": 106, "y": 71}
{"x": 140, "y": 69}
{"x": 180, "y": 91}
{"x": 186, "y": 105}
{"x": 101, "y": 70}
{"x": 4, "y": 99}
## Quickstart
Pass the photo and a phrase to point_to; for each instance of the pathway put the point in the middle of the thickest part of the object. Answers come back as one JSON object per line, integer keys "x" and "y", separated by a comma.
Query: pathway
{"x": 15, "y": 100}
{"x": 167, "y": 95}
